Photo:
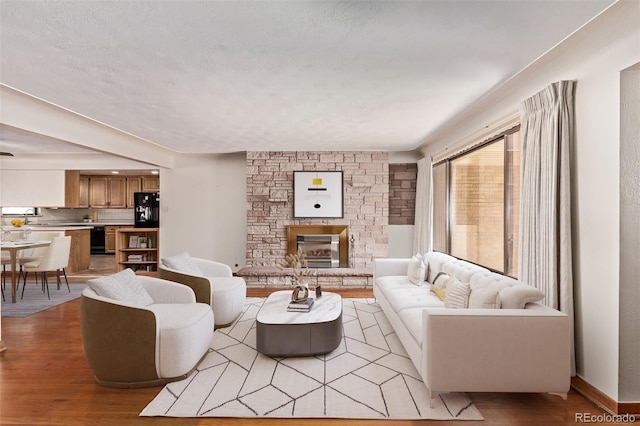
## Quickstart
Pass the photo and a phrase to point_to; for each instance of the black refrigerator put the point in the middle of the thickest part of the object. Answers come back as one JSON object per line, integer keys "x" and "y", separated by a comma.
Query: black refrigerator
{"x": 146, "y": 209}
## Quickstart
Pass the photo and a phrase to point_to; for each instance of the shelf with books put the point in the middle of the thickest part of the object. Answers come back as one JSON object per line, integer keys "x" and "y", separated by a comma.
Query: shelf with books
{"x": 137, "y": 249}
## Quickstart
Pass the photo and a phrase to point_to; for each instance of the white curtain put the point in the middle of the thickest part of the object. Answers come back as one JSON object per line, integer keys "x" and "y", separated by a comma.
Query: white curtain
{"x": 424, "y": 189}
{"x": 547, "y": 131}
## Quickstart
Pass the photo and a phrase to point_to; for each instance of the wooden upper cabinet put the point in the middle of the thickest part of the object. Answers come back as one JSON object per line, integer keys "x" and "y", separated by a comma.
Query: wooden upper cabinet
{"x": 134, "y": 184}
{"x": 107, "y": 192}
{"x": 150, "y": 184}
{"x": 99, "y": 192}
{"x": 71, "y": 188}
{"x": 83, "y": 199}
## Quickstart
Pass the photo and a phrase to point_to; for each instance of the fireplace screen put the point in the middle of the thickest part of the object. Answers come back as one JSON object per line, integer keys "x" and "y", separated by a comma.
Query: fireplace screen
{"x": 321, "y": 250}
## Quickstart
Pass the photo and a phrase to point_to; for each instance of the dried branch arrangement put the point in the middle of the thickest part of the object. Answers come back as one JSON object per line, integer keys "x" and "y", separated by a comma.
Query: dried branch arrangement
{"x": 298, "y": 263}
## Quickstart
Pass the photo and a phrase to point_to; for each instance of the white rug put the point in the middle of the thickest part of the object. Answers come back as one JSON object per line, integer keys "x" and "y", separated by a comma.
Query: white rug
{"x": 369, "y": 376}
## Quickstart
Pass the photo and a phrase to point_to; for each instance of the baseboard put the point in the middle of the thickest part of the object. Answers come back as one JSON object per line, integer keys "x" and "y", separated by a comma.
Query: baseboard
{"x": 603, "y": 401}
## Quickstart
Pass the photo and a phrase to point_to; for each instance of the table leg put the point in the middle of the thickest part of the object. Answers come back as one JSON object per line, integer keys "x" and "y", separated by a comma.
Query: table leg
{"x": 14, "y": 266}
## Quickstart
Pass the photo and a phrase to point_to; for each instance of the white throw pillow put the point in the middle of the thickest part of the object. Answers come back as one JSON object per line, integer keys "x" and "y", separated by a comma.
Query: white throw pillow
{"x": 484, "y": 298}
{"x": 122, "y": 286}
{"x": 441, "y": 280}
{"x": 416, "y": 270}
{"x": 517, "y": 296}
{"x": 457, "y": 294}
{"x": 184, "y": 263}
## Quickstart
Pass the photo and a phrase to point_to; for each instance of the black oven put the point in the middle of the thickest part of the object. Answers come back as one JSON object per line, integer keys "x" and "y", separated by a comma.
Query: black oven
{"x": 97, "y": 240}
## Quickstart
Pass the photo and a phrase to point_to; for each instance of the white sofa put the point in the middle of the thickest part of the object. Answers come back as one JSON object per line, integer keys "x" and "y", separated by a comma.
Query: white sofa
{"x": 473, "y": 350}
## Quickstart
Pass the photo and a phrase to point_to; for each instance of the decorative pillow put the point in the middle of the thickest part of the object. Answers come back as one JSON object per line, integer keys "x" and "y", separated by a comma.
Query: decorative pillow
{"x": 441, "y": 280}
{"x": 184, "y": 263}
{"x": 123, "y": 286}
{"x": 441, "y": 293}
{"x": 484, "y": 298}
{"x": 517, "y": 296}
{"x": 416, "y": 270}
{"x": 457, "y": 294}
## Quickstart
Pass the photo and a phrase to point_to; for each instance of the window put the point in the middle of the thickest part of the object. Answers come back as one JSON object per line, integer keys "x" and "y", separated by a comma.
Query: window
{"x": 476, "y": 204}
{"x": 20, "y": 211}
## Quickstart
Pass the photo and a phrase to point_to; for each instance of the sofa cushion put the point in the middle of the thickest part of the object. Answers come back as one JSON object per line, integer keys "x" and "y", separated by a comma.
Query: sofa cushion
{"x": 457, "y": 294}
{"x": 412, "y": 320}
{"x": 402, "y": 294}
{"x": 123, "y": 287}
{"x": 517, "y": 296}
{"x": 185, "y": 332}
{"x": 184, "y": 263}
{"x": 435, "y": 262}
{"x": 416, "y": 270}
{"x": 462, "y": 270}
{"x": 484, "y": 298}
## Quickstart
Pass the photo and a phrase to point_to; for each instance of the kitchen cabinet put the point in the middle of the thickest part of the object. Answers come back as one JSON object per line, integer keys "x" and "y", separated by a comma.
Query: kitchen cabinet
{"x": 80, "y": 254}
{"x": 107, "y": 192}
{"x": 110, "y": 238}
{"x": 142, "y": 258}
{"x": 134, "y": 184}
{"x": 101, "y": 192}
{"x": 83, "y": 189}
{"x": 150, "y": 184}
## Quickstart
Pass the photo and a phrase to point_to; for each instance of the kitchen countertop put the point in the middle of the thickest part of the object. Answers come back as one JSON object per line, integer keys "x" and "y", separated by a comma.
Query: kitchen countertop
{"x": 66, "y": 226}
{"x": 47, "y": 228}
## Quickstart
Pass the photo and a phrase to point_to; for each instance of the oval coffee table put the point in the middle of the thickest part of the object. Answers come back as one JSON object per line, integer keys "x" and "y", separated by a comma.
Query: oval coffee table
{"x": 283, "y": 333}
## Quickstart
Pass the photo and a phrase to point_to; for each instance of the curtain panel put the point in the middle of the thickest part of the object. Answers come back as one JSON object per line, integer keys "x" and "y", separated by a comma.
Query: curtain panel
{"x": 423, "y": 220}
{"x": 545, "y": 261}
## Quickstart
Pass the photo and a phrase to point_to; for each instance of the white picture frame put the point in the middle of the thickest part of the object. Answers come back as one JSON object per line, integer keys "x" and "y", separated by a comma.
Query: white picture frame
{"x": 318, "y": 194}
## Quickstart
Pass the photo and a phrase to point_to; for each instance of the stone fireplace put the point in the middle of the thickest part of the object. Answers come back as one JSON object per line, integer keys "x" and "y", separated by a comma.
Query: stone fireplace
{"x": 326, "y": 246}
{"x": 271, "y": 224}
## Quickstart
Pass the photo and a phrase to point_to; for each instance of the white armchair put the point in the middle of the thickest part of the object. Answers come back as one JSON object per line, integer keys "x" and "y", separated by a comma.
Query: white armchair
{"x": 212, "y": 282}
{"x": 131, "y": 345}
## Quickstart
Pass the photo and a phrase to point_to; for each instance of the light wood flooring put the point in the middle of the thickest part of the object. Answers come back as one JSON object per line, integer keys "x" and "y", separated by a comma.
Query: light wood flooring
{"x": 46, "y": 380}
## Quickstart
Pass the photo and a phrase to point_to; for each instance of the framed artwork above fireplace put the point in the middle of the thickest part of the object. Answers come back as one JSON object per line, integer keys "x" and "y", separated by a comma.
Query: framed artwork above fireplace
{"x": 317, "y": 194}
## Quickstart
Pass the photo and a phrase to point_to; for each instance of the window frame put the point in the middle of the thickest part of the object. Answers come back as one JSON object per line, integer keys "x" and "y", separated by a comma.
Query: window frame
{"x": 508, "y": 195}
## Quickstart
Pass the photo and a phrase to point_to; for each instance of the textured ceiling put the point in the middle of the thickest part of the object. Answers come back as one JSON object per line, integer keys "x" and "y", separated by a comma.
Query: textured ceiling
{"x": 224, "y": 76}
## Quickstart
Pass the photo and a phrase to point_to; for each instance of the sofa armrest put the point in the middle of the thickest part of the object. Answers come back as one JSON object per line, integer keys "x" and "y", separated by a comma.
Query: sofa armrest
{"x": 389, "y": 267}
{"x": 211, "y": 268}
{"x": 163, "y": 291}
{"x": 201, "y": 286}
{"x": 499, "y": 350}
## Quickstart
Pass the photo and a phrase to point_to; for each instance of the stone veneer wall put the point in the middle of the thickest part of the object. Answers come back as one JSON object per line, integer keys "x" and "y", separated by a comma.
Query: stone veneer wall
{"x": 402, "y": 193}
{"x": 270, "y": 201}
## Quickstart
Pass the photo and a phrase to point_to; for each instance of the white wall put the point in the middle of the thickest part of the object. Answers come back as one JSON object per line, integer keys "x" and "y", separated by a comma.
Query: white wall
{"x": 21, "y": 188}
{"x": 594, "y": 56}
{"x": 203, "y": 208}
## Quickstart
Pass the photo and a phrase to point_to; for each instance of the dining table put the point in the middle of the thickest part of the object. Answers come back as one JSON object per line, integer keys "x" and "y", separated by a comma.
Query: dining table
{"x": 13, "y": 247}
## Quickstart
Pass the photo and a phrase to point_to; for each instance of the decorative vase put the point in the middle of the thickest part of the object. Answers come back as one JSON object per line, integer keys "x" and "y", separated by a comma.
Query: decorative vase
{"x": 300, "y": 293}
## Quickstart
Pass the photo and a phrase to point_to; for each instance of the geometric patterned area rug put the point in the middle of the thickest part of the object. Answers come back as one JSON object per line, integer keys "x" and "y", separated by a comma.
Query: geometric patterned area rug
{"x": 369, "y": 376}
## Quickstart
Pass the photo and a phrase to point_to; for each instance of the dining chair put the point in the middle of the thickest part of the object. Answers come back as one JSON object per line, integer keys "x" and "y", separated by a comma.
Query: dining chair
{"x": 55, "y": 259}
{"x": 36, "y": 254}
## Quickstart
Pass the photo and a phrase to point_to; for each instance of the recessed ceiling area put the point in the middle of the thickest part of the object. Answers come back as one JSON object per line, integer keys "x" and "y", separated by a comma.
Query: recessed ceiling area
{"x": 225, "y": 76}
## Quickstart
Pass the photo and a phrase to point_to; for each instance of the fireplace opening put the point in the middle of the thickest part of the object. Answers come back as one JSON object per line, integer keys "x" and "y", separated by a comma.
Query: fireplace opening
{"x": 321, "y": 250}
{"x": 321, "y": 240}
